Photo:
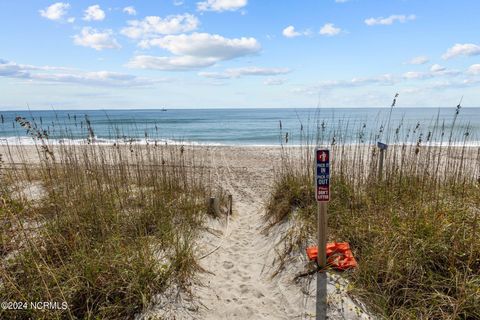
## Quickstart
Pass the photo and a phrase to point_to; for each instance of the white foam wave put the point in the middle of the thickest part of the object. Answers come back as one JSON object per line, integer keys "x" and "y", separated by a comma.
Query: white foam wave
{"x": 99, "y": 141}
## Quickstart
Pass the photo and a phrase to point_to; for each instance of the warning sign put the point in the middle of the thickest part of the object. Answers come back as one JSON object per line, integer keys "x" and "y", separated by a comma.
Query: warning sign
{"x": 322, "y": 157}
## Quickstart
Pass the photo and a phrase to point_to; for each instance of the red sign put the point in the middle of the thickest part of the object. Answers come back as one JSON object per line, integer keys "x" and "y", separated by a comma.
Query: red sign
{"x": 322, "y": 175}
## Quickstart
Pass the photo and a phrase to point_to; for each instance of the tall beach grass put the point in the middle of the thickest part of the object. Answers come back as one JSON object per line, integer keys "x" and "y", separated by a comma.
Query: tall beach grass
{"x": 98, "y": 230}
{"x": 413, "y": 227}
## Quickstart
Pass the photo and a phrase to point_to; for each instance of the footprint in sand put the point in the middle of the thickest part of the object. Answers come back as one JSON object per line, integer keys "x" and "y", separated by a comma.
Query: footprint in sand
{"x": 228, "y": 265}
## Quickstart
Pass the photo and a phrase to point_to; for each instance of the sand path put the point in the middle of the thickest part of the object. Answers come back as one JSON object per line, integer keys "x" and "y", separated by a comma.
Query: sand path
{"x": 240, "y": 285}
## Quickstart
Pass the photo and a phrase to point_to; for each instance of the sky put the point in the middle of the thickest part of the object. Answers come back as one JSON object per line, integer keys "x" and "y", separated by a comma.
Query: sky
{"x": 105, "y": 54}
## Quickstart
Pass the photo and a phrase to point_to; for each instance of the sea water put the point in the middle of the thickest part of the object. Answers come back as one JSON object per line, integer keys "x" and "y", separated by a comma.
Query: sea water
{"x": 260, "y": 127}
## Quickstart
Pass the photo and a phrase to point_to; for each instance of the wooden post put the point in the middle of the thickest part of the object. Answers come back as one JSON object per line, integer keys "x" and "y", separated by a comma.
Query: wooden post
{"x": 322, "y": 194}
{"x": 216, "y": 207}
{"x": 380, "y": 165}
{"x": 230, "y": 201}
{"x": 322, "y": 234}
{"x": 213, "y": 206}
{"x": 383, "y": 147}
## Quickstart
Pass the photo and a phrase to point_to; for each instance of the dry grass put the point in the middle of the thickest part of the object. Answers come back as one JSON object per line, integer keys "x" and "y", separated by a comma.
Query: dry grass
{"x": 414, "y": 231}
{"x": 115, "y": 227}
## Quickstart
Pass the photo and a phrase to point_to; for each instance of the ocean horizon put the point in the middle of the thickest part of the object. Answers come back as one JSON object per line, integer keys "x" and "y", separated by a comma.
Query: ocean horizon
{"x": 247, "y": 126}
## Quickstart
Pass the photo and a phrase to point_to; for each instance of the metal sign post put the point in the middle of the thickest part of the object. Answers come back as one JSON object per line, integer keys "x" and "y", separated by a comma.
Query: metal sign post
{"x": 322, "y": 160}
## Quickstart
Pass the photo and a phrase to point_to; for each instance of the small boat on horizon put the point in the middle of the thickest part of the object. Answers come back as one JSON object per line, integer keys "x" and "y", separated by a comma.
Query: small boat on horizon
{"x": 163, "y": 109}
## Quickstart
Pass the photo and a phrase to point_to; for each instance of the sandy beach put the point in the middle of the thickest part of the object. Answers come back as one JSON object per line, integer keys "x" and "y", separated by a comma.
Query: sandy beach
{"x": 238, "y": 257}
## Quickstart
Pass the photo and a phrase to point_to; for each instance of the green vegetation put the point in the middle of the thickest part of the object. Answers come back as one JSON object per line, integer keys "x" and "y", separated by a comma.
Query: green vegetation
{"x": 413, "y": 228}
{"x": 115, "y": 226}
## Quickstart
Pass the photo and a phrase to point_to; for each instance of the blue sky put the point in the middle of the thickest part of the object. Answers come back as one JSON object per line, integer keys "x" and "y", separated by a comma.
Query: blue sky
{"x": 238, "y": 53}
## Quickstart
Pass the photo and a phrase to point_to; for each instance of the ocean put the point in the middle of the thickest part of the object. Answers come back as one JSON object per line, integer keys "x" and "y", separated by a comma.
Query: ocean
{"x": 255, "y": 127}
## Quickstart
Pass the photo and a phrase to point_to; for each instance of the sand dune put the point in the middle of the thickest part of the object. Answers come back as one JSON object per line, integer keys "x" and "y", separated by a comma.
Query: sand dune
{"x": 239, "y": 258}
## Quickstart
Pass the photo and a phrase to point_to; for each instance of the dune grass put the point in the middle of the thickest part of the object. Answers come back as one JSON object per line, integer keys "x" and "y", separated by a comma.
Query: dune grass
{"x": 113, "y": 227}
{"x": 413, "y": 228}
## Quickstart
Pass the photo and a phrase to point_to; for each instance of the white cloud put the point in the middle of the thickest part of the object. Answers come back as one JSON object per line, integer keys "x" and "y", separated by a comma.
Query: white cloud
{"x": 194, "y": 50}
{"x": 437, "y": 77}
{"x": 94, "y": 13}
{"x": 221, "y": 5}
{"x": 178, "y": 2}
{"x": 56, "y": 11}
{"x": 71, "y": 20}
{"x": 215, "y": 75}
{"x": 245, "y": 71}
{"x": 416, "y": 75}
{"x": 329, "y": 29}
{"x": 447, "y": 84}
{"x": 72, "y": 76}
{"x": 153, "y": 26}
{"x": 182, "y": 63}
{"x": 290, "y": 32}
{"x": 95, "y": 39}
{"x": 130, "y": 10}
{"x": 381, "y": 80}
{"x": 419, "y": 60}
{"x": 274, "y": 81}
{"x": 474, "y": 69}
{"x": 467, "y": 49}
{"x": 341, "y": 1}
{"x": 389, "y": 20}
{"x": 437, "y": 68}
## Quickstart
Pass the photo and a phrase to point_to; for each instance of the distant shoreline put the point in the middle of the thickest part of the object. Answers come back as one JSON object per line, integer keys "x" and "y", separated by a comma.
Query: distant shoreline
{"x": 223, "y": 108}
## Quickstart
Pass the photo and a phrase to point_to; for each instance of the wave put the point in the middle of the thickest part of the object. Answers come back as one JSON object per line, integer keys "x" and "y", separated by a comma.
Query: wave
{"x": 100, "y": 141}
{"x": 18, "y": 140}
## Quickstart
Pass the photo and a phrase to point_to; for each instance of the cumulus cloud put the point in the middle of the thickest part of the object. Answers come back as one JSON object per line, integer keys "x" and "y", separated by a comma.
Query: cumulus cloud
{"x": 71, "y": 76}
{"x": 329, "y": 29}
{"x": 221, "y": 5}
{"x": 94, "y": 13}
{"x": 96, "y": 39}
{"x": 290, "y": 32}
{"x": 130, "y": 10}
{"x": 245, "y": 71}
{"x": 419, "y": 60}
{"x": 389, "y": 20}
{"x": 153, "y": 26}
{"x": 194, "y": 50}
{"x": 474, "y": 69}
{"x": 56, "y": 11}
{"x": 437, "y": 68}
{"x": 467, "y": 49}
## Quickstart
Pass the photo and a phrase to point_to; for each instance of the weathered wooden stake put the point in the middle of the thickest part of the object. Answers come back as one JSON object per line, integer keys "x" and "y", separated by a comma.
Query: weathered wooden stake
{"x": 230, "y": 201}
{"x": 213, "y": 206}
{"x": 380, "y": 165}
{"x": 383, "y": 147}
{"x": 322, "y": 234}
